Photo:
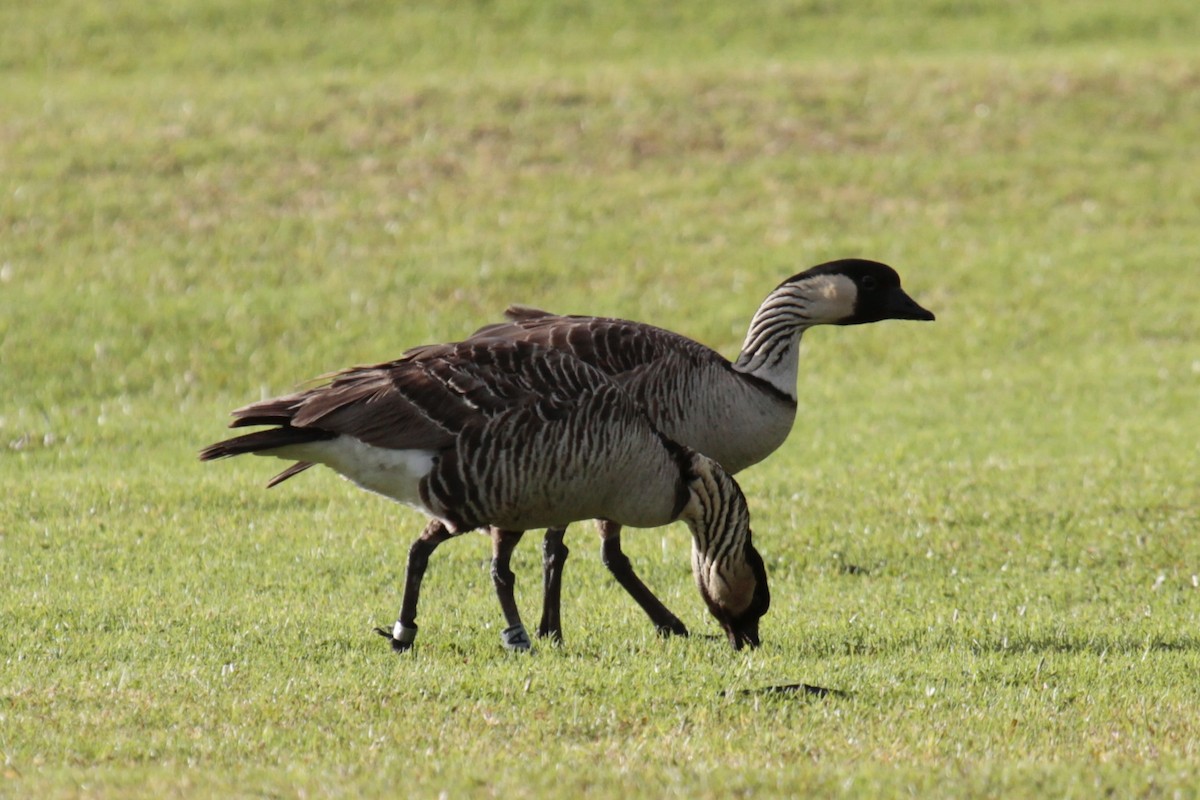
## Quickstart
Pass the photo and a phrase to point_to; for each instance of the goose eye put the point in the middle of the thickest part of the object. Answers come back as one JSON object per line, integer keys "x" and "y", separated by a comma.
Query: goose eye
{"x": 868, "y": 283}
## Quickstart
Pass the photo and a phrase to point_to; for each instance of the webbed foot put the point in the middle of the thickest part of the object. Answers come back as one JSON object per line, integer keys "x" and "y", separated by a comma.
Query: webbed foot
{"x": 401, "y": 636}
{"x": 672, "y": 627}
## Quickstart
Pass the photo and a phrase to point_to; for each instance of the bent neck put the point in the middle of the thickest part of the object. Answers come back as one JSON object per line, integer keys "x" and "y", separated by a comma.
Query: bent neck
{"x": 716, "y": 512}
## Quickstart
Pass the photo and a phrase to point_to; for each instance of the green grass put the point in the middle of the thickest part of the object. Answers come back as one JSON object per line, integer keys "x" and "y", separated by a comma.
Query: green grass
{"x": 983, "y": 530}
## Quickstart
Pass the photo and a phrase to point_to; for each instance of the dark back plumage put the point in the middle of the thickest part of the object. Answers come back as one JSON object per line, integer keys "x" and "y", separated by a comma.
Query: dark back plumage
{"x": 618, "y": 347}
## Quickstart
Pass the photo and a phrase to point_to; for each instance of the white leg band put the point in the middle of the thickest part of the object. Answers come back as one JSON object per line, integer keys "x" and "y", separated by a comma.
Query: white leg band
{"x": 403, "y": 634}
{"x": 515, "y": 638}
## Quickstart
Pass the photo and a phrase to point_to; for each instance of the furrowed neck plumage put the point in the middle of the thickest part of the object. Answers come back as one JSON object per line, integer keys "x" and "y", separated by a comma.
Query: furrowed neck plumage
{"x": 717, "y": 513}
{"x": 771, "y": 349}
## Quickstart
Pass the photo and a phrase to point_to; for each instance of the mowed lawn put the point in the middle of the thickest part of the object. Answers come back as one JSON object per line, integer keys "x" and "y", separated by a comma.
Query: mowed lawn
{"x": 983, "y": 531}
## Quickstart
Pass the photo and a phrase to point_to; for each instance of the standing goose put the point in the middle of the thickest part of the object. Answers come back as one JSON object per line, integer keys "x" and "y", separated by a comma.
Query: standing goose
{"x": 736, "y": 412}
{"x": 511, "y": 435}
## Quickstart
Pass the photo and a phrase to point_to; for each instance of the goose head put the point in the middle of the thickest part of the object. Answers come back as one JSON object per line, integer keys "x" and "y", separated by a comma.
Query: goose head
{"x": 853, "y": 291}
{"x": 736, "y": 594}
{"x": 729, "y": 572}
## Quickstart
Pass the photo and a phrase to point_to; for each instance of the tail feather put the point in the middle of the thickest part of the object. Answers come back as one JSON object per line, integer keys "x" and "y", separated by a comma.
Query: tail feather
{"x": 260, "y": 441}
{"x": 277, "y": 411}
{"x": 294, "y": 469}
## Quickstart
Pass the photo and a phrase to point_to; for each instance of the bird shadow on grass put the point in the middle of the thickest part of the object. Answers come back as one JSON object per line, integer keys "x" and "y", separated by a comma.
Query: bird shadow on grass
{"x": 780, "y": 690}
{"x": 787, "y": 690}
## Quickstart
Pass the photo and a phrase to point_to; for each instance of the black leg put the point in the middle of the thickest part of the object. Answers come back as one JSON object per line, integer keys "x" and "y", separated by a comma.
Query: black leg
{"x": 554, "y": 557}
{"x": 503, "y": 543}
{"x": 405, "y": 631}
{"x": 618, "y": 564}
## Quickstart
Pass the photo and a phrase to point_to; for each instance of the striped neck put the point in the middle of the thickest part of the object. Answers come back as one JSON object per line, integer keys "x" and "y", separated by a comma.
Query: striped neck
{"x": 771, "y": 350}
{"x": 716, "y": 512}
{"x": 729, "y": 572}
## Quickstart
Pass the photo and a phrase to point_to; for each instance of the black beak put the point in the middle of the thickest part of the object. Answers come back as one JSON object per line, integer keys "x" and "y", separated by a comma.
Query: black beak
{"x": 900, "y": 306}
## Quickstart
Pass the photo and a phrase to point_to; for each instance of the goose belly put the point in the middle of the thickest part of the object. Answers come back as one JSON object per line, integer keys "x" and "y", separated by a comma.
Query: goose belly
{"x": 587, "y": 490}
{"x": 737, "y": 438}
{"x": 530, "y": 473}
{"x": 395, "y": 474}
{"x": 733, "y": 423}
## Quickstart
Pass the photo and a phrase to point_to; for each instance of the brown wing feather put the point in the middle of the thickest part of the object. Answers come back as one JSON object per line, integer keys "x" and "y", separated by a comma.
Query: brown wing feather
{"x": 615, "y": 346}
{"x": 423, "y": 400}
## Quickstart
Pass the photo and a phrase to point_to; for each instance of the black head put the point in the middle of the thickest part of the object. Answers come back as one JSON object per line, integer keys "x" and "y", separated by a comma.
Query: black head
{"x": 741, "y": 627}
{"x": 877, "y": 292}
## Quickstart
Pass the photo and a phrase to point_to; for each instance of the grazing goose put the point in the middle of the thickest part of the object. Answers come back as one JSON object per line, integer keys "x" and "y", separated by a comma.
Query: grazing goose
{"x": 512, "y": 435}
{"x": 737, "y": 412}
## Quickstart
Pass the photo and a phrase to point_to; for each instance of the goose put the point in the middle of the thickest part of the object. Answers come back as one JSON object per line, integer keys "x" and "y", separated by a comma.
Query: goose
{"x": 509, "y": 436}
{"x": 735, "y": 412}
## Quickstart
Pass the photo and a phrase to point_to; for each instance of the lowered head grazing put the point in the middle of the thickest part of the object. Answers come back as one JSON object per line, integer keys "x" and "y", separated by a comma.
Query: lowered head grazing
{"x": 736, "y": 593}
{"x": 728, "y": 570}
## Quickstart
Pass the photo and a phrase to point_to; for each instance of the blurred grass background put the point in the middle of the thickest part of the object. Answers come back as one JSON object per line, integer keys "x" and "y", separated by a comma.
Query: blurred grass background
{"x": 984, "y": 528}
